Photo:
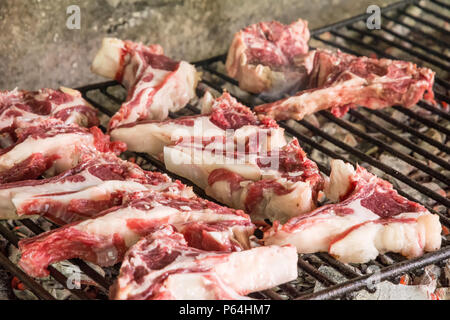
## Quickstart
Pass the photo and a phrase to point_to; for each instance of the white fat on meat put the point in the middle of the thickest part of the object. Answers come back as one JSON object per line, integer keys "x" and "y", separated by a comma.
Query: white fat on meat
{"x": 151, "y": 137}
{"x": 107, "y": 62}
{"x": 283, "y": 207}
{"x": 196, "y": 165}
{"x": 338, "y": 183}
{"x": 68, "y": 154}
{"x": 408, "y": 239}
{"x": 314, "y": 234}
{"x": 98, "y": 192}
{"x": 163, "y": 266}
{"x": 11, "y": 197}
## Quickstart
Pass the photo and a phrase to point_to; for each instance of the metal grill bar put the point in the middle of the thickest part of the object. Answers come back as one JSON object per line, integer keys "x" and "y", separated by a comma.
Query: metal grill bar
{"x": 376, "y": 163}
{"x": 349, "y": 21}
{"x": 386, "y": 147}
{"x": 434, "y": 13}
{"x": 415, "y": 43}
{"x": 306, "y": 266}
{"x": 413, "y": 131}
{"x": 37, "y": 289}
{"x": 426, "y": 23}
{"x": 425, "y": 121}
{"x": 386, "y": 273}
{"x": 404, "y": 142}
{"x": 394, "y": 44}
{"x": 428, "y": 107}
{"x": 416, "y": 30}
{"x": 442, "y": 4}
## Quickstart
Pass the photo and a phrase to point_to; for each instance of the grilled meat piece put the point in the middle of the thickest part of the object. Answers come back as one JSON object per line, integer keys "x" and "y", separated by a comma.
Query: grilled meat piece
{"x": 50, "y": 147}
{"x": 218, "y": 116}
{"x": 277, "y": 185}
{"x": 163, "y": 267}
{"x": 156, "y": 84}
{"x": 21, "y": 109}
{"x": 105, "y": 238}
{"x": 94, "y": 185}
{"x": 371, "y": 218}
{"x": 271, "y": 58}
{"x": 340, "y": 81}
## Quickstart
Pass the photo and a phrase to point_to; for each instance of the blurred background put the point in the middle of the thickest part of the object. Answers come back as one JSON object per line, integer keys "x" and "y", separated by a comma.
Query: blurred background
{"x": 38, "y": 50}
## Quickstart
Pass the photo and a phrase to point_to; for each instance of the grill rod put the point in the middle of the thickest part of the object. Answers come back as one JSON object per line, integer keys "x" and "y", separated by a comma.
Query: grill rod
{"x": 384, "y": 274}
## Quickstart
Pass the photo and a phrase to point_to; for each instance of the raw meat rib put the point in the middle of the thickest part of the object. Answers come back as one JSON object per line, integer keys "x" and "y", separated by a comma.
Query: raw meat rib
{"x": 18, "y": 108}
{"x": 155, "y": 83}
{"x": 105, "y": 238}
{"x": 370, "y": 219}
{"x": 271, "y": 57}
{"x": 51, "y": 147}
{"x": 84, "y": 191}
{"x": 341, "y": 81}
{"x": 218, "y": 116}
{"x": 280, "y": 184}
{"x": 163, "y": 267}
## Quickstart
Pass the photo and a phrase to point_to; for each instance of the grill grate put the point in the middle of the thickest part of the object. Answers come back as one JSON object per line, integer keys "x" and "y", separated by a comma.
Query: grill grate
{"x": 348, "y": 36}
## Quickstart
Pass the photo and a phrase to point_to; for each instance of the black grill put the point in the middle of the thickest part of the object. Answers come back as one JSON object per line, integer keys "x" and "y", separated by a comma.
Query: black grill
{"x": 421, "y": 41}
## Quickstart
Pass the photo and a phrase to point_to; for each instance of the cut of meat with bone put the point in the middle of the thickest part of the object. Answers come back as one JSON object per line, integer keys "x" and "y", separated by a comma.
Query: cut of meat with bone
{"x": 164, "y": 267}
{"x": 223, "y": 116}
{"x": 51, "y": 147}
{"x": 84, "y": 191}
{"x": 341, "y": 81}
{"x": 277, "y": 185}
{"x": 156, "y": 84}
{"x": 371, "y": 218}
{"x": 271, "y": 57}
{"x": 18, "y": 108}
{"x": 105, "y": 238}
